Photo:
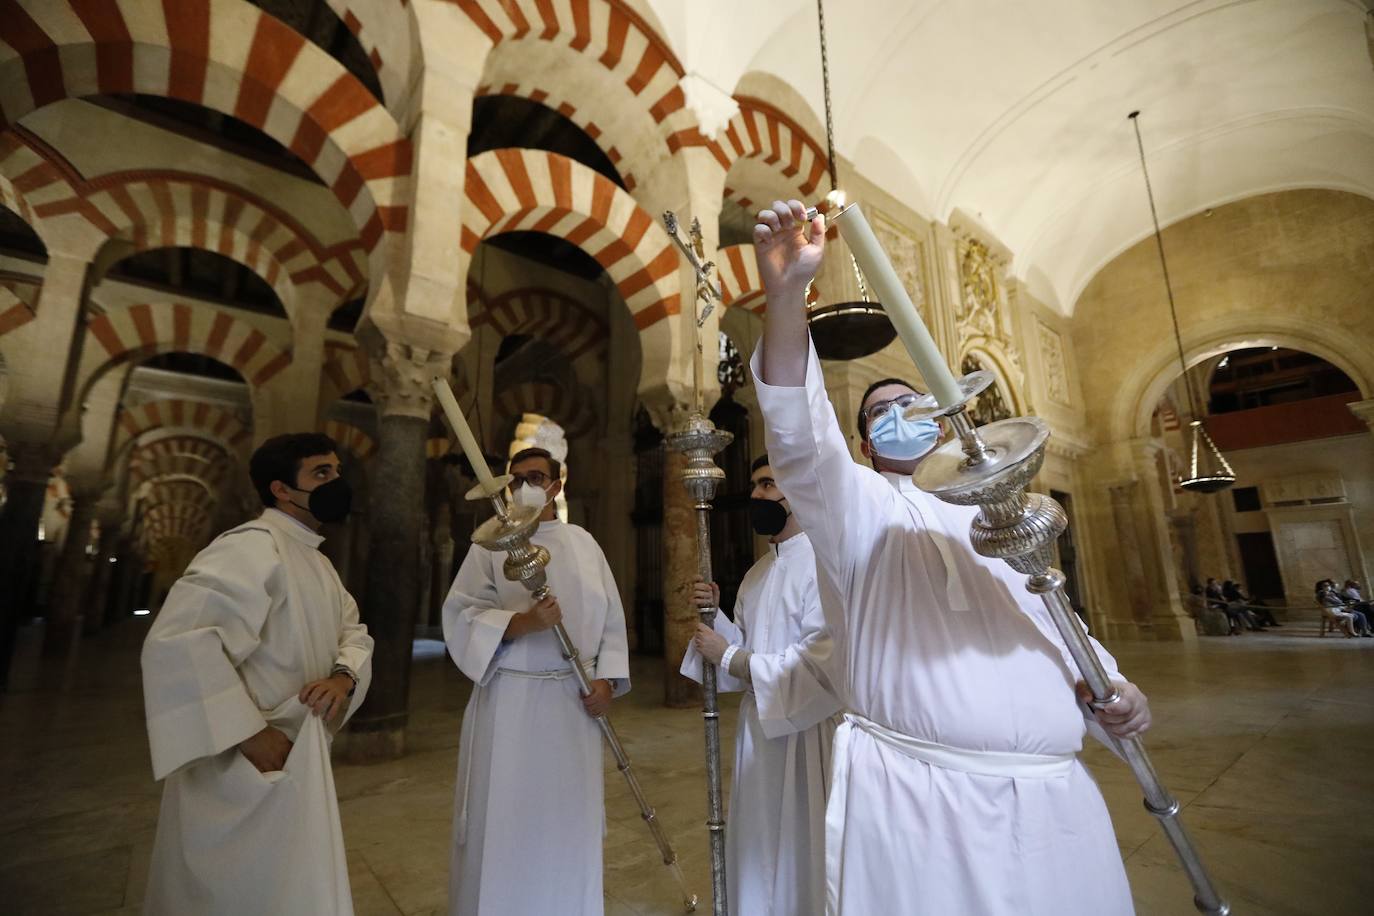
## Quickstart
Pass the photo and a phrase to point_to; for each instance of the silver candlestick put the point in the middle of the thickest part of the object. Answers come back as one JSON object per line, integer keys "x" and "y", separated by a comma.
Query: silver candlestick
{"x": 990, "y": 467}
{"x": 700, "y": 441}
{"x": 509, "y": 531}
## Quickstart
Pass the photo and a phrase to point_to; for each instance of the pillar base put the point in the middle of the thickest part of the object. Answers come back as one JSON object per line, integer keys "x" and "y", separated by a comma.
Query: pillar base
{"x": 1162, "y": 628}
{"x": 373, "y": 745}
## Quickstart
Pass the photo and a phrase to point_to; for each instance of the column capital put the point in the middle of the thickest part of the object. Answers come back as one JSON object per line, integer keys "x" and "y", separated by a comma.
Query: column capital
{"x": 402, "y": 376}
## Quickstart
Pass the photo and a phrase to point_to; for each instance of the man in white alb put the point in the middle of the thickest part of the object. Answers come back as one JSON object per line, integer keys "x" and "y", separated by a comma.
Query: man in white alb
{"x": 255, "y": 659}
{"x": 956, "y": 785}
{"x": 775, "y": 650}
{"x": 529, "y": 813}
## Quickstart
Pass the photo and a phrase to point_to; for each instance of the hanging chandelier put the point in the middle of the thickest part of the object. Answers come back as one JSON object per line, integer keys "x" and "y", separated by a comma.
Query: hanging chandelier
{"x": 1208, "y": 469}
{"x": 846, "y": 319}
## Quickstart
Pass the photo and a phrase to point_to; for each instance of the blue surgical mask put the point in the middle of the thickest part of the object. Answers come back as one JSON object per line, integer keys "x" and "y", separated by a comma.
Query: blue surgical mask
{"x": 896, "y": 438}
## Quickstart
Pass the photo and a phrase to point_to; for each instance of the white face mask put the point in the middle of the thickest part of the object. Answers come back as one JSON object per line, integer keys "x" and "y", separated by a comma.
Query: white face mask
{"x": 529, "y": 495}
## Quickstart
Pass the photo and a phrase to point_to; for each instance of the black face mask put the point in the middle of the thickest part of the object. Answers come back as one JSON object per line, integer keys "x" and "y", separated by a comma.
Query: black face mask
{"x": 768, "y": 516}
{"x": 329, "y": 502}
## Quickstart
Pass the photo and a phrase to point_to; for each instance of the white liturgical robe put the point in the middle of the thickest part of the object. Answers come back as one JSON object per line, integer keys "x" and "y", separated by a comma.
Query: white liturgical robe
{"x": 259, "y": 614}
{"x": 956, "y": 787}
{"x": 775, "y": 835}
{"x": 529, "y": 812}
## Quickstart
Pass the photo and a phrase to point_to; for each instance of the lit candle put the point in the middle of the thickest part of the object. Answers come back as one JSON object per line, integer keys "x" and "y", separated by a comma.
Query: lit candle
{"x": 915, "y": 337}
{"x": 465, "y": 437}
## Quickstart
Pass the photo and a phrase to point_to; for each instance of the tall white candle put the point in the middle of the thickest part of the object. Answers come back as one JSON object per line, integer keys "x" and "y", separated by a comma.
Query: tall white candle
{"x": 895, "y": 301}
{"x": 465, "y": 437}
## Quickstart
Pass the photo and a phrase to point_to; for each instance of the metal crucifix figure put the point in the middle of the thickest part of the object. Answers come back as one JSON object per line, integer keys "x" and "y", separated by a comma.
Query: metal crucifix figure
{"x": 700, "y": 442}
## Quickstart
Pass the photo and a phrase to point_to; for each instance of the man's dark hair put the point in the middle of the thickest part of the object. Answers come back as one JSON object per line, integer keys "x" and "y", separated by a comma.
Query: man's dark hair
{"x": 555, "y": 469}
{"x": 860, "y": 421}
{"x": 759, "y": 462}
{"x": 280, "y": 457}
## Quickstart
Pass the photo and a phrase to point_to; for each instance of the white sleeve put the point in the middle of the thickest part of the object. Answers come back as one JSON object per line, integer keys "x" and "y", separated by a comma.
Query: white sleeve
{"x": 355, "y": 654}
{"x": 839, "y": 503}
{"x": 474, "y": 621}
{"x": 613, "y": 654}
{"x": 793, "y": 688}
{"x": 195, "y": 701}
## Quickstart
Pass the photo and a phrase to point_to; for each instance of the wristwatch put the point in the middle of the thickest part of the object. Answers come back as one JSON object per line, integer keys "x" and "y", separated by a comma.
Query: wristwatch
{"x": 346, "y": 672}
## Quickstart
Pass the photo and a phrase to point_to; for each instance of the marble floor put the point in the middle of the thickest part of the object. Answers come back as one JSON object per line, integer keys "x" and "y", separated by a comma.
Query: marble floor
{"x": 1268, "y": 741}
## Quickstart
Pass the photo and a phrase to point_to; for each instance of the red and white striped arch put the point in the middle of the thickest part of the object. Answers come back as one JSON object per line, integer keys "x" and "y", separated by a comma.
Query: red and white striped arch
{"x": 179, "y": 456}
{"x": 345, "y": 370}
{"x": 351, "y": 439}
{"x": 175, "y": 521}
{"x": 231, "y": 57}
{"x": 549, "y": 315}
{"x": 770, "y": 155}
{"x": 512, "y": 190}
{"x": 384, "y": 30}
{"x": 608, "y": 31}
{"x": 217, "y": 423}
{"x": 147, "y": 329}
{"x": 740, "y": 286}
{"x": 580, "y": 114}
{"x": 568, "y": 407}
{"x": 162, "y": 207}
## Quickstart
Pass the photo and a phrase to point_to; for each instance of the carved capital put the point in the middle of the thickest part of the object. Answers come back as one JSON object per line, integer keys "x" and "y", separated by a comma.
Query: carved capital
{"x": 401, "y": 378}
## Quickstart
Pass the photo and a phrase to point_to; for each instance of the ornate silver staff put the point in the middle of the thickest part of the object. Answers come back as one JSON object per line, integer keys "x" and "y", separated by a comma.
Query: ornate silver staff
{"x": 990, "y": 468}
{"x": 510, "y": 531}
{"x": 700, "y": 441}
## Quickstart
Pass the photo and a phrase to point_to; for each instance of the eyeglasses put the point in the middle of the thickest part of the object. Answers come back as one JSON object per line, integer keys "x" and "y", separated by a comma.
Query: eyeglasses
{"x": 879, "y": 409}
{"x": 533, "y": 478}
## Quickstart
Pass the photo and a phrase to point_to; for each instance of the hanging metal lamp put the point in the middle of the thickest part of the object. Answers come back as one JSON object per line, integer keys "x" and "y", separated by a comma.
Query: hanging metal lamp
{"x": 846, "y": 319}
{"x": 1208, "y": 469}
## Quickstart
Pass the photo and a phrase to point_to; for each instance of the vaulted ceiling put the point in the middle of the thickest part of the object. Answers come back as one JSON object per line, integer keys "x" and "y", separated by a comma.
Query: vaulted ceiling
{"x": 1015, "y": 114}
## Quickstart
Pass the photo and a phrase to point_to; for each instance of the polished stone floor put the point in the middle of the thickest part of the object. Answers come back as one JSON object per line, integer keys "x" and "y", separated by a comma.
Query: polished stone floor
{"x": 1267, "y": 740}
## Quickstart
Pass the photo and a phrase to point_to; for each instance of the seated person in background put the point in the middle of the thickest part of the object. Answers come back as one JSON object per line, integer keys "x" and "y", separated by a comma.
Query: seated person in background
{"x": 1216, "y": 598}
{"x": 1350, "y": 591}
{"x": 1256, "y": 611}
{"x": 1352, "y": 623}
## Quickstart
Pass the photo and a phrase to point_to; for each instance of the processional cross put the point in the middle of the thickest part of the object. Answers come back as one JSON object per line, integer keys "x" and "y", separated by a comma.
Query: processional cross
{"x": 707, "y": 293}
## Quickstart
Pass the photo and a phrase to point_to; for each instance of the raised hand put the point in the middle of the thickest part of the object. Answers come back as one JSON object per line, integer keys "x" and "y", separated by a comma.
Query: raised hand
{"x": 787, "y": 248}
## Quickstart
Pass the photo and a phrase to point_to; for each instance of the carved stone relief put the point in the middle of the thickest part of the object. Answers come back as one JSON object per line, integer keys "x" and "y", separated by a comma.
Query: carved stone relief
{"x": 904, "y": 250}
{"x": 1052, "y": 359}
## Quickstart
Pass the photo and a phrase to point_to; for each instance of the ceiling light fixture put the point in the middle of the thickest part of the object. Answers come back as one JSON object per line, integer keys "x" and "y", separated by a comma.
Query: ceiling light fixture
{"x": 1208, "y": 469}
{"x": 846, "y": 319}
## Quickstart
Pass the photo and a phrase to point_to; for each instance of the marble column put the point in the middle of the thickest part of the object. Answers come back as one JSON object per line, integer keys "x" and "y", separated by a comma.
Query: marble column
{"x": 396, "y": 520}
{"x": 679, "y": 571}
{"x": 66, "y": 608}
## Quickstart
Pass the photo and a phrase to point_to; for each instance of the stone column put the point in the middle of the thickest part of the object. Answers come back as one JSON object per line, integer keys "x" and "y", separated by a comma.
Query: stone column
{"x": 66, "y": 610}
{"x": 27, "y": 484}
{"x": 108, "y": 514}
{"x": 441, "y": 565}
{"x": 679, "y": 570}
{"x": 396, "y": 518}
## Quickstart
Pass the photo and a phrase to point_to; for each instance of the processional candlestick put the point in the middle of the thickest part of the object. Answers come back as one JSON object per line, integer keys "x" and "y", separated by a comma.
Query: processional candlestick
{"x": 700, "y": 441}
{"x": 509, "y": 531}
{"x": 990, "y": 467}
